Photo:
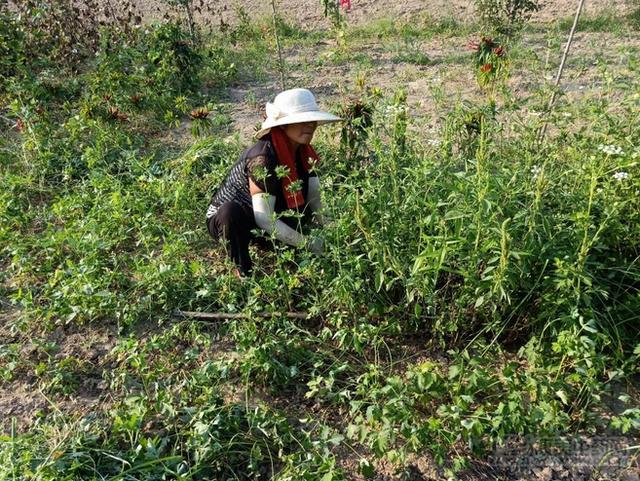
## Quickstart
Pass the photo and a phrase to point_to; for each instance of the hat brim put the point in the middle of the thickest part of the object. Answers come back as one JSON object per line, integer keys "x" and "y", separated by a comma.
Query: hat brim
{"x": 315, "y": 116}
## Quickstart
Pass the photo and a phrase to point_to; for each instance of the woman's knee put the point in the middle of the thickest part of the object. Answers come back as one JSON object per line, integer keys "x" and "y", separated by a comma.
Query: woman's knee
{"x": 231, "y": 217}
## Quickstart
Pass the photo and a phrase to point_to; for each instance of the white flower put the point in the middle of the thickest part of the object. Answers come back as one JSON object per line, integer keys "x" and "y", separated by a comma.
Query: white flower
{"x": 434, "y": 142}
{"x": 610, "y": 149}
{"x": 619, "y": 176}
{"x": 393, "y": 110}
{"x": 535, "y": 171}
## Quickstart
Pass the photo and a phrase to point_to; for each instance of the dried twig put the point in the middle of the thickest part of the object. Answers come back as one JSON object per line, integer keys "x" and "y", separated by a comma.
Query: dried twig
{"x": 277, "y": 37}
{"x": 223, "y": 316}
{"x": 552, "y": 100}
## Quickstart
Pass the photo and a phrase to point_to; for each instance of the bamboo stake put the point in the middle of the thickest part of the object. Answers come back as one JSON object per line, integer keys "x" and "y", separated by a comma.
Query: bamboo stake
{"x": 275, "y": 31}
{"x": 222, "y": 316}
{"x": 552, "y": 100}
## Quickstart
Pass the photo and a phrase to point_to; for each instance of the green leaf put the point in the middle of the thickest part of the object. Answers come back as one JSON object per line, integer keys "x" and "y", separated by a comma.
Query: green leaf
{"x": 366, "y": 468}
{"x": 468, "y": 423}
{"x": 328, "y": 476}
{"x": 454, "y": 371}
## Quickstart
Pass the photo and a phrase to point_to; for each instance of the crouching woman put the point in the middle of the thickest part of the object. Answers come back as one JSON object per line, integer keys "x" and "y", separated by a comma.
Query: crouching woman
{"x": 273, "y": 183}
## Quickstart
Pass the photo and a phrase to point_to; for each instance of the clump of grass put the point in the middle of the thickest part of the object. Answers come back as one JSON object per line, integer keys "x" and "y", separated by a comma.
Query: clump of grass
{"x": 605, "y": 21}
{"x": 423, "y": 27}
{"x": 633, "y": 18}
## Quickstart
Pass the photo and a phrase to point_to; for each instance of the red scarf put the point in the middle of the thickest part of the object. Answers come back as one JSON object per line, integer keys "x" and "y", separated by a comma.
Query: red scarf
{"x": 287, "y": 158}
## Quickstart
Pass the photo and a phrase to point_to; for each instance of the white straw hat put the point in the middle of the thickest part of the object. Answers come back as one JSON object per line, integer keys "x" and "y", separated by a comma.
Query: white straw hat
{"x": 292, "y": 107}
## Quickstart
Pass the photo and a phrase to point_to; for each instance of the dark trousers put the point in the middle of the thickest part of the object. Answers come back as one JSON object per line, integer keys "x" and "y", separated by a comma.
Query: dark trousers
{"x": 233, "y": 224}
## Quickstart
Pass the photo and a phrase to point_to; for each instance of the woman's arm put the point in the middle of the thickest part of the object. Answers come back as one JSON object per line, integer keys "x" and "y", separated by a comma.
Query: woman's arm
{"x": 263, "y": 211}
{"x": 314, "y": 200}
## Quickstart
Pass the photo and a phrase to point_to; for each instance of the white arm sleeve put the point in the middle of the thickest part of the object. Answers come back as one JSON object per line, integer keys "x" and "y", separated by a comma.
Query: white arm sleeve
{"x": 313, "y": 195}
{"x": 314, "y": 200}
{"x": 263, "y": 211}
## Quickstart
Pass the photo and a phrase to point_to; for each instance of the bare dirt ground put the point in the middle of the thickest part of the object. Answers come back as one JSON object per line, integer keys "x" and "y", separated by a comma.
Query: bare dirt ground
{"x": 432, "y": 88}
{"x": 442, "y": 76}
{"x": 23, "y": 399}
{"x": 309, "y": 14}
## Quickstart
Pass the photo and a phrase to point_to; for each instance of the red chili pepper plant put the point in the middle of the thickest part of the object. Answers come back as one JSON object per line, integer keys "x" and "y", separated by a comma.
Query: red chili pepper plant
{"x": 490, "y": 62}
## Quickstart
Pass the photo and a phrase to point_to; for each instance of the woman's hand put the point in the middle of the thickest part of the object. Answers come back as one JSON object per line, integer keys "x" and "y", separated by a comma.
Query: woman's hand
{"x": 315, "y": 245}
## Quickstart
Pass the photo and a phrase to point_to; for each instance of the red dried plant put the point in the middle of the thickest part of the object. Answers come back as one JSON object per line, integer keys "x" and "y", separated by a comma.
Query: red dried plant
{"x": 199, "y": 113}
{"x": 115, "y": 113}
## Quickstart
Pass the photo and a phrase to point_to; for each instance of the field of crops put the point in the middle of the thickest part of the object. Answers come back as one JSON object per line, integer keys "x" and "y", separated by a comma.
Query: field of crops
{"x": 474, "y": 314}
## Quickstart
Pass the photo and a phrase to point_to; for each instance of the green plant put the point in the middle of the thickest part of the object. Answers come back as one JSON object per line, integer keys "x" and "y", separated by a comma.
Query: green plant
{"x": 9, "y": 361}
{"x": 200, "y": 122}
{"x": 409, "y": 51}
{"x": 65, "y": 32}
{"x": 150, "y": 432}
{"x": 12, "y": 48}
{"x": 634, "y": 18}
{"x": 357, "y": 116}
{"x": 188, "y": 6}
{"x": 63, "y": 376}
{"x": 331, "y": 10}
{"x": 506, "y": 17}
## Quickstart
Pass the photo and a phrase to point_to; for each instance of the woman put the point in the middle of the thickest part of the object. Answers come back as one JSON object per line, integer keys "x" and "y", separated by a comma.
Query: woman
{"x": 272, "y": 180}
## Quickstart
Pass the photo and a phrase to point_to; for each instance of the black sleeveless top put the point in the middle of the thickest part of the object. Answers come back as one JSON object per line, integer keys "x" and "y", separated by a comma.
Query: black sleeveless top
{"x": 260, "y": 164}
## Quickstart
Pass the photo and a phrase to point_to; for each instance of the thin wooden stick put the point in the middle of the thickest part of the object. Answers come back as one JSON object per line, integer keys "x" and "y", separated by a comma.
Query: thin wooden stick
{"x": 552, "y": 100}
{"x": 275, "y": 31}
{"x": 222, "y": 316}
{"x": 192, "y": 30}
{"x": 113, "y": 14}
